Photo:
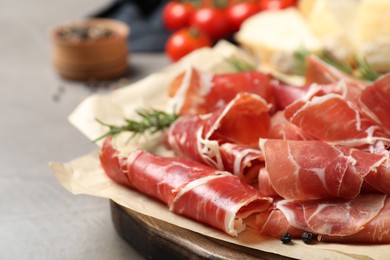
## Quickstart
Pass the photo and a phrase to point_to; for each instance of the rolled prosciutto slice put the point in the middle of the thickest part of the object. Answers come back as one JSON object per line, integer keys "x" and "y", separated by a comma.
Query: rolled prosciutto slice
{"x": 301, "y": 170}
{"x": 200, "y": 137}
{"x": 150, "y": 174}
{"x": 220, "y": 201}
{"x": 114, "y": 164}
{"x": 188, "y": 188}
{"x": 242, "y": 161}
{"x": 363, "y": 219}
{"x": 196, "y": 92}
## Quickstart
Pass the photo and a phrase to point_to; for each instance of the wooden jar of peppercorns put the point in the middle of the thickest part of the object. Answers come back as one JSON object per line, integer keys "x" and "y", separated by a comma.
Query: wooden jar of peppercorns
{"x": 91, "y": 49}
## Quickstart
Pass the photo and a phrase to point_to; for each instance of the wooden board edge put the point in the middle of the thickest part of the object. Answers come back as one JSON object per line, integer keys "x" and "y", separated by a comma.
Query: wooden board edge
{"x": 156, "y": 239}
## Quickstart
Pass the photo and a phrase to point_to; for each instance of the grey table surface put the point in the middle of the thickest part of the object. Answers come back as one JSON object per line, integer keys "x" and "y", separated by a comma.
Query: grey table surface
{"x": 39, "y": 219}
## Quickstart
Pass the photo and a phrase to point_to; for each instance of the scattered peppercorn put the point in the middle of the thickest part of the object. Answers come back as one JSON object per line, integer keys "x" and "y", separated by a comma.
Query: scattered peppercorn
{"x": 307, "y": 237}
{"x": 286, "y": 238}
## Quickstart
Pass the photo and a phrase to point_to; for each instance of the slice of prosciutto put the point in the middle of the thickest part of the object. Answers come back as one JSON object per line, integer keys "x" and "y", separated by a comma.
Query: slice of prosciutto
{"x": 364, "y": 219}
{"x": 375, "y": 101}
{"x": 380, "y": 179}
{"x": 264, "y": 183}
{"x": 333, "y": 119}
{"x": 377, "y": 230}
{"x": 189, "y": 188}
{"x": 158, "y": 177}
{"x": 113, "y": 163}
{"x": 320, "y": 72}
{"x": 281, "y": 128}
{"x": 301, "y": 170}
{"x": 242, "y": 161}
{"x": 201, "y": 137}
{"x": 220, "y": 201}
{"x": 196, "y": 92}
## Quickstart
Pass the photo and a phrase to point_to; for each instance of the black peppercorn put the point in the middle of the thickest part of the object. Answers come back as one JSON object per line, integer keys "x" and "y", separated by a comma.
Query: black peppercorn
{"x": 307, "y": 237}
{"x": 286, "y": 238}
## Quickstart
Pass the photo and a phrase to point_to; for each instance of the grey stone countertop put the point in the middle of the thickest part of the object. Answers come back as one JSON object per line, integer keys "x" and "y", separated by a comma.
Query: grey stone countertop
{"x": 39, "y": 219}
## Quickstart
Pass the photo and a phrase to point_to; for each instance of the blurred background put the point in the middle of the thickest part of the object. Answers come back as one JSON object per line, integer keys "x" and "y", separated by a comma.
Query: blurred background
{"x": 39, "y": 219}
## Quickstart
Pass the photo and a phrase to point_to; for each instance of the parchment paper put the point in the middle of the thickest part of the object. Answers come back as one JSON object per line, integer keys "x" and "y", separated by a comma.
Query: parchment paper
{"x": 84, "y": 176}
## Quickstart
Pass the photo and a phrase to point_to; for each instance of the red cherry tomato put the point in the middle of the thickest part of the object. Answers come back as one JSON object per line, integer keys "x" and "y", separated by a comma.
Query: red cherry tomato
{"x": 177, "y": 15}
{"x": 237, "y": 13}
{"x": 184, "y": 41}
{"x": 211, "y": 21}
{"x": 276, "y": 4}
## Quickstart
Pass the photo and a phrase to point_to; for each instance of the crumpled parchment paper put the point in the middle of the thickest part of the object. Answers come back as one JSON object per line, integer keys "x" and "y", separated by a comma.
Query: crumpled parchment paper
{"x": 84, "y": 175}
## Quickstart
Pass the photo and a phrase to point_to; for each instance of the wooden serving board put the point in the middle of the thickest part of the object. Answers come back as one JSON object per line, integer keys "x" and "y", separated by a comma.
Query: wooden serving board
{"x": 156, "y": 239}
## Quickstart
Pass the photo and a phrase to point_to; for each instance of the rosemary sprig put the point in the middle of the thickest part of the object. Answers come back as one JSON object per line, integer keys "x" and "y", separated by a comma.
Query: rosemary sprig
{"x": 336, "y": 63}
{"x": 151, "y": 121}
{"x": 365, "y": 70}
{"x": 300, "y": 60}
{"x": 240, "y": 65}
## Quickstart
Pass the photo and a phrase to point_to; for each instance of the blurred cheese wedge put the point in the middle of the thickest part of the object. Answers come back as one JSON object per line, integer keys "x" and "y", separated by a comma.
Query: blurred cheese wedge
{"x": 350, "y": 28}
{"x": 334, "y": 23}
{"x": 373, "y": 34}
{"x": 274, "y": 36}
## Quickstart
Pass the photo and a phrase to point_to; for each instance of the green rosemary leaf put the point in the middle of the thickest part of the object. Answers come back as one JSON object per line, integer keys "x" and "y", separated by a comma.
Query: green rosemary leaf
{"x": 336, "y": 63}
{"x": 365, "y": 70}
{"x": 151, "y": 121}
{"x": 300, "y": 60}
{"x": 240, "y": 65}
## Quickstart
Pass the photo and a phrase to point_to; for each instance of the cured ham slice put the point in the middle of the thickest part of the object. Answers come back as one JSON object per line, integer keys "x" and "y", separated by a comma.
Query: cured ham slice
{"x": 242, "y": 121}
{"x": 319, "y": 72}
{"x": 195, "y": 92}
{"x": 199, "y": 136}
{"x": 331, "y": 118}
{"x": 380, "y": 179}
{"x": 363, "y": 219}
{"x": 220, "y": 201}
{"x": 301, "y": 170}
{"x": 242, "y": 161}
{"x": 375, "y": 100}
{"x": 149, "y": 175}
{"x": 189, "y": 188}
{"x": 287, "y": 94}
{"x": 375, "y": 231}
{"x": 264, "y": 183}
{"x": 281, "y": 128}
{"x": 113, "y": 163}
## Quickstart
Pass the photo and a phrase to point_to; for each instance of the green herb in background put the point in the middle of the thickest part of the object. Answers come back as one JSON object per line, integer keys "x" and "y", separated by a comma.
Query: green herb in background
{"x": 365, "y": 70}
{"x": 240, "y": 65}
{"x": 300, "y": 60}
{"x": 336, "y": 63}
{"x": 151, "y": 121}
{"x": 362, "y": 70}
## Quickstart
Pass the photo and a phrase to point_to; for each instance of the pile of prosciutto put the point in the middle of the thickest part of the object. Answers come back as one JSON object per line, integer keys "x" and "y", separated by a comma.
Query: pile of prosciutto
{"x": 311, "y": 158}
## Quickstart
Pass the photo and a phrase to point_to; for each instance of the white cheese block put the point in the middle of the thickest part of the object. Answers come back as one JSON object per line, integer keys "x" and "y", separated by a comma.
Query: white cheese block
{"x": 274, "y": 36}
{"x": 334, "y": 23}
{"x": 373, "y": 34}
